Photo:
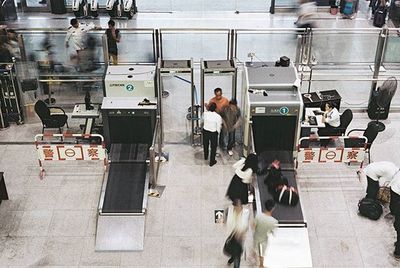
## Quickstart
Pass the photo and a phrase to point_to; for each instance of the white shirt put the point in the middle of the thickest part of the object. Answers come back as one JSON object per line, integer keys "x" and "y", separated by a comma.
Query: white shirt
{"x": 247, "y": 175}
{"x": 76, "y": 37}
{"x": 383, "y": 170}
{"x": 332, "y": 117}
{"x": 238, "y": 222}
{"x": 395, "y": 183}
{"x": 212, "y": 121}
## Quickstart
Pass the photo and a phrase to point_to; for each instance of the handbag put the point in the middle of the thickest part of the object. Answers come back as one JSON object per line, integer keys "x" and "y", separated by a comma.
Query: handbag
{"x": 384, "y": 193}
{"x": 232, "y": 246}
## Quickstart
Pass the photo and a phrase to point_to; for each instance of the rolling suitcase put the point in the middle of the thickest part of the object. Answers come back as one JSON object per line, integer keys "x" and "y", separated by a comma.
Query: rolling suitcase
{"x": 370, "y": 208}
{"x": 379, "y": 18}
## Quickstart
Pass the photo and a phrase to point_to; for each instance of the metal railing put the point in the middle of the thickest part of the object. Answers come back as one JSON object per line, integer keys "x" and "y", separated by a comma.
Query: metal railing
{"x": 311, "y": 50}
{"x": 155, "y": 150}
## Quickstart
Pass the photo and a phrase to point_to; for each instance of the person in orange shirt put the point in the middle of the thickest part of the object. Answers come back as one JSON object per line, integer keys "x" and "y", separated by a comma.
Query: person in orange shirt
{"x": 221, "y": 103}
{"x": 219, "y": 100}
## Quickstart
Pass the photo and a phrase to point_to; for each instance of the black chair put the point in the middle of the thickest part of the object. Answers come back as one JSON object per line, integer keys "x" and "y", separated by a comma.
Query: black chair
{"x": 51, "y": 117}
{"x": 345, "y": 120}
{"x": 371, "y": 132}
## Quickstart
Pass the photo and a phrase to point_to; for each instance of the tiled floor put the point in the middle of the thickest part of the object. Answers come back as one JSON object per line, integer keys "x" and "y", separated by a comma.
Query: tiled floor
{"x": 52, "y": 222}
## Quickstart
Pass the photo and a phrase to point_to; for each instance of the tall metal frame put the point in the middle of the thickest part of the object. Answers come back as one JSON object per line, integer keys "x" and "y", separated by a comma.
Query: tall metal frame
{"x": 171, "y": 68}
{"x": 217, "y": 68}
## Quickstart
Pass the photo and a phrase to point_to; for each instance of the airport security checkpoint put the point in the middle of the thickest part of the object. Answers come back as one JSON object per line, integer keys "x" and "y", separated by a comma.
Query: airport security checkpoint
{"x": 140, "y": 141}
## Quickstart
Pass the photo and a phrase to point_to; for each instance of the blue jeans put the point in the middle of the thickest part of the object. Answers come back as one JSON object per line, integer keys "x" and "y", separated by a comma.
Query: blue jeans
{"x": 231, "y": 140}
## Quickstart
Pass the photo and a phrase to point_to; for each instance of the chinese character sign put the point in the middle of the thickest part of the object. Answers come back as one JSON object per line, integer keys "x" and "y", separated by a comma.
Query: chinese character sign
{"x": 308, "y": 155}
{"x": 71, "y": 152}
{"x": 353, "y": 155}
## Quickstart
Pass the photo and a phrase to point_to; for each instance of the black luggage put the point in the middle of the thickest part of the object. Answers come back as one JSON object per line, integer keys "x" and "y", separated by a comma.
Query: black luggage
{"x": 58, "y": 7}
{"x": 380, "y": 17}
{"x": 370, "y": 208}
{"x": 286, "y": 195}
{"x": 374, "y": 111}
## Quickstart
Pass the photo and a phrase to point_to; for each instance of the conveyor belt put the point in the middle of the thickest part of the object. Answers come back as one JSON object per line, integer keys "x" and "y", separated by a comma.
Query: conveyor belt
{"x": 285, "y": 157}
{"x": 121, "y": 152}
{"x": 125, "y": 188}
{"x": 283, "y": 213}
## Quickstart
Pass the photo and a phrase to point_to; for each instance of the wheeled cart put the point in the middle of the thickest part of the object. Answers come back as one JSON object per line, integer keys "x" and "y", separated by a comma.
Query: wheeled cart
{"x": 9, "y": 98}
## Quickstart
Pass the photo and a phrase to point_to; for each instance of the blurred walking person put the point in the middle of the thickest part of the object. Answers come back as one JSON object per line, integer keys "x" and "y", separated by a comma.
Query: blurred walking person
{"x": 238, "y": 224}
{"x": 307, "y": 10}
{"x": 264, "y": 225}
{"x": 76, "y": 39}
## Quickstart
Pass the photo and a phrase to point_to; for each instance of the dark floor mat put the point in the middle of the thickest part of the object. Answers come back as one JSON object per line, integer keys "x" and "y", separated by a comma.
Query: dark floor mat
{"x": 121, "y": 152}
{"x": 125, "y": 188}
{"x": 283, "y": 213}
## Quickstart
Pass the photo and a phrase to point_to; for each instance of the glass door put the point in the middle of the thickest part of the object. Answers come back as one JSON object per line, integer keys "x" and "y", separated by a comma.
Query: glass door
{"x": 35, "y": 5}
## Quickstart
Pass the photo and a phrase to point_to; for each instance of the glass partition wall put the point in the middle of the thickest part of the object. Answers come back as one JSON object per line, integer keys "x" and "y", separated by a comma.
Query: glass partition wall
{"x": 195, "y": 43}
{"x": 265, "y": 45}
{"x": 341, "y": 59}
{"x": 203, "y": 5}
{"x": 63, "y": 80}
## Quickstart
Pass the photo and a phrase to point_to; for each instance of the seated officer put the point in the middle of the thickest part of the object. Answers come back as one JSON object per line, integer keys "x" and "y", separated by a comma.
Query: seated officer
{"x": 331, "y": 118}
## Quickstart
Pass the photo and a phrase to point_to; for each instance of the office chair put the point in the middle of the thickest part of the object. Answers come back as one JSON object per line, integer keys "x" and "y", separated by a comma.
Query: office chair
{"x": 345, "y": 120}
{"x": 51, "y": 117}
{"x": 371, "y": 132}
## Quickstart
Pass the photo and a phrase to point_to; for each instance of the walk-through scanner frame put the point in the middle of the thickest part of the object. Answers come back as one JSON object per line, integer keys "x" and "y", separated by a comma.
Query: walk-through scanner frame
{"x": 216, "y": 68}
{"x": 171, "y": 68}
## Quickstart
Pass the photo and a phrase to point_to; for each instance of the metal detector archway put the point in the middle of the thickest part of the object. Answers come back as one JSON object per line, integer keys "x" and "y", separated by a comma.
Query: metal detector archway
{"x": 171, "y": 68}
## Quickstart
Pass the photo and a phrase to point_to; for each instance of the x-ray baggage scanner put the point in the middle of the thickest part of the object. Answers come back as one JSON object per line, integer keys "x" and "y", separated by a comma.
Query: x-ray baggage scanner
{"x": 272, "y": 113}
{"x": 272, "y": 107}
{"x": 130, "y": 129}
{"x": 130, "y": 81}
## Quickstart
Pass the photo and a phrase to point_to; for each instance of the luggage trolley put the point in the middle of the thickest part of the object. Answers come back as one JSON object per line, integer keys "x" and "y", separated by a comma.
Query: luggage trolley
{"x": 217, "y": 68}
{"x": 9, "y": 97}
{"x": 171, "y": 68}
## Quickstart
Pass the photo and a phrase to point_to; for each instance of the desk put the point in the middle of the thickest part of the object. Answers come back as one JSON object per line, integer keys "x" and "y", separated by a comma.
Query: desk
{"x": 90, "y": 115}
{"x": 310, "y": 112}
{"x": 318, "y": 100}
{"x": 306, "y": 127}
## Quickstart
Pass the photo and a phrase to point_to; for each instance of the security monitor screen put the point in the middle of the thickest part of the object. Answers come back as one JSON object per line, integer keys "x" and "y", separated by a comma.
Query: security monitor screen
{"x": 274, "y": 133}
{"x": 127, "y": 129}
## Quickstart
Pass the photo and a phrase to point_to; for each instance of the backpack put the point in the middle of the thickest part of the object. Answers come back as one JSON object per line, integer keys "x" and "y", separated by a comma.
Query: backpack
{"x": 286, "y": 195}
{"x": 370, "y": 208}
{"x": 348, "y": 8}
